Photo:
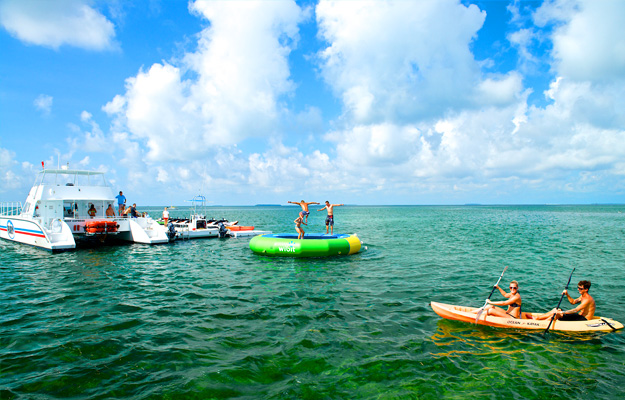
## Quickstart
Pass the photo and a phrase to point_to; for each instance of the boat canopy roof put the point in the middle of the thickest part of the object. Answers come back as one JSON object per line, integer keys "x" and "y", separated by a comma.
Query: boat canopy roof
{"x": 70, "y": 177}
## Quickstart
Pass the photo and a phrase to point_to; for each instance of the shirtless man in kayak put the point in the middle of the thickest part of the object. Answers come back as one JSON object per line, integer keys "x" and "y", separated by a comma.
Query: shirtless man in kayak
{"x": 330, "y": 217}
{"x": 583, "y": 312}
{"x": 304, "y": 212}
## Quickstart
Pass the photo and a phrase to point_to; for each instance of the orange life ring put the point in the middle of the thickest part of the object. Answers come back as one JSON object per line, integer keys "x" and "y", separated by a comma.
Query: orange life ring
{"x": 95, "y": 224}
{"x": 100, "y": 226}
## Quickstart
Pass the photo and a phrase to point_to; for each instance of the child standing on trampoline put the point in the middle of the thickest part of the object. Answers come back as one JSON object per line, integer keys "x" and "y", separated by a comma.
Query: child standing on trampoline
{"x": 298, "y": 226}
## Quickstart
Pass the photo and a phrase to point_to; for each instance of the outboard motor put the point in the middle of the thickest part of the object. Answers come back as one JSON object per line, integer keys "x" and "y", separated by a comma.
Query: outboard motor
{"x": 223, "y": 232}
{"x": 171, "y": 231}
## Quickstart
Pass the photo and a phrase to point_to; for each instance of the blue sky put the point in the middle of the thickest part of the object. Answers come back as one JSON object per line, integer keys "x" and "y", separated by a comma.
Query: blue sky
{"x": 404, "y": 102}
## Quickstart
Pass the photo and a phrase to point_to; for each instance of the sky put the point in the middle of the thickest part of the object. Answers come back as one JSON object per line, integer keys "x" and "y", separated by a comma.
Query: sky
{"x": 357, "y": 102}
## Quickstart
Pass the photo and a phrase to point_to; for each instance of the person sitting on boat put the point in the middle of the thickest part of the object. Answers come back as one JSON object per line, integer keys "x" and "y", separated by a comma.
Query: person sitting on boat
{"x": 92, "y": 211}
{"x": 513, "y": 303}
{"x": 583, "y": 312}
{"x": 133, "y": 211}
{"x": 110, "y": 211}
{"x": 304, "y": 205}
{"x": 298, "y": 226}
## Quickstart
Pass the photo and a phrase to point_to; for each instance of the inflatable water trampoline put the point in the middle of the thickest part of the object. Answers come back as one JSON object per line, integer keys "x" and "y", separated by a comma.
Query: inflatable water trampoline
{"x": 313, "y": 245}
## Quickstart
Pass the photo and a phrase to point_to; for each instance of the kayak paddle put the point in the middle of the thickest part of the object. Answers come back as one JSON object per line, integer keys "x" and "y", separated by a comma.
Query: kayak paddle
{"x": 561, "y": 297}
{"x": 491, "y": 293}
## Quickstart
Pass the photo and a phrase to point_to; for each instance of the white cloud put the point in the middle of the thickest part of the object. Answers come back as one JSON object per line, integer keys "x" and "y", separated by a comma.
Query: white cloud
{"x": 84, "y": 162}
{"x": 85, "y": 116}
{"x": 162, "y": 176}
{"x": 15, "y": 178}
{"x": 115, "y": 106}
{"x": 419, "y": 113}
{"x": 279, "y": 168}
{"x": 588, "y": 45}
{"x": 399, "y": 60}
{"x": 43, "y": 103}
{"x": 56, "y": 23}
{"x": 523, "y": 39}
{"x": 92, "y": 140}
{"x": 500, "y": 90}
{"x": 376, "y": 145}
{"x": 422, "y": 108}
{"x": 226, "y": 91}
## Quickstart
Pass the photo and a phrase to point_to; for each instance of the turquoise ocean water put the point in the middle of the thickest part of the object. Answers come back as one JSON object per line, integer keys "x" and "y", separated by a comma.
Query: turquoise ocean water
{"x": 208, "y": 319}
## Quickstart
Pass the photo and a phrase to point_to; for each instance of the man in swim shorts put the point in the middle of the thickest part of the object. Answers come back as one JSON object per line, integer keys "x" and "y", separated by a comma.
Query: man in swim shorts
{"x": 121, "y": 203}
{"x": 304, "y": 212}
{"x": 583, "y": 312}
{"x": 330, "y": 217}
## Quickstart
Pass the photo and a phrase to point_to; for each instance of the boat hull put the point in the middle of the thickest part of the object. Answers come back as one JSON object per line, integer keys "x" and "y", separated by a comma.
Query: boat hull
{"x": 466, "y": 314}
{"x": 31, "y": 232}
{"x": 313, "y": 245}
{"x": 184, "y": 233}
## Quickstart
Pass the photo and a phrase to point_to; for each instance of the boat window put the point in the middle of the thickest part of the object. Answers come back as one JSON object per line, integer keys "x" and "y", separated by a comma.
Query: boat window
{"x": 73, "y": 178}
{"x": 26, "y": 208}
{"x": 67, "y": 209}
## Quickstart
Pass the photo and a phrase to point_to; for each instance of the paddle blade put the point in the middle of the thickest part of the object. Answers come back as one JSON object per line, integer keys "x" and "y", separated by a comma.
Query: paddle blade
{"x": 477, "y": 317}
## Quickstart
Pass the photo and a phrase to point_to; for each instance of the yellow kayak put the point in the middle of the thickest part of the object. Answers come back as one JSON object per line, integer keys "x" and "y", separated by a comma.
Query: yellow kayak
{"x": 467, "y": 314}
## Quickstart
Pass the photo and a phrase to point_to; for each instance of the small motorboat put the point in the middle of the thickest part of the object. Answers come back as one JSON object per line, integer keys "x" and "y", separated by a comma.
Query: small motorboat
{"x": 467, "y": 314}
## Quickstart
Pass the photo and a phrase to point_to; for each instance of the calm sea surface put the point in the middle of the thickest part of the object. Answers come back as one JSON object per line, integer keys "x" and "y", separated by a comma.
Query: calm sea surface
{"x": 208, "y": 319}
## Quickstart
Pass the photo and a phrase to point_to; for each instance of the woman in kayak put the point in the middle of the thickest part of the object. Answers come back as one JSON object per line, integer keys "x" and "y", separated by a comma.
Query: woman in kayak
{"x": 513, "y": 303}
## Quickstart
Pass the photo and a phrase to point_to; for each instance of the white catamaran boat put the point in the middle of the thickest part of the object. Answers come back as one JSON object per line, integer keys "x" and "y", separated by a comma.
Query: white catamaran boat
{"x": 59, "y": 211}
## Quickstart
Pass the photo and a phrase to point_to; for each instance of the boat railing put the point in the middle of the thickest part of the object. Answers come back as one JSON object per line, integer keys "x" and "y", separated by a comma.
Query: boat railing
{"x": 11, "y": 208}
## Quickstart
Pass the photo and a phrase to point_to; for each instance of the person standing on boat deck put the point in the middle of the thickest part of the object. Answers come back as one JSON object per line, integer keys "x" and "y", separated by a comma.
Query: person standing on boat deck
{"x": 298, "y": 226}
{"x": 330, "y": 217}
{"x": 165, "y": 216}
{"x": 583, "y": 312}
{"x": 110, "y": 212}
{"x": 513, "y": 303}
{"x": 304, "y": 212}
{"x": 92, "y": 211}
{"x": 121, "y": 203}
